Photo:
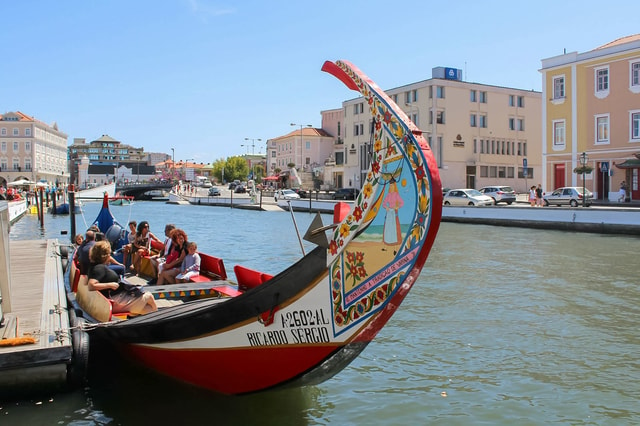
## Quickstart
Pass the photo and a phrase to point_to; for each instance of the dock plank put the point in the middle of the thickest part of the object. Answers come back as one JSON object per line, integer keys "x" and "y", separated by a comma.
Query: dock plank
{"x": 38, "y": 303}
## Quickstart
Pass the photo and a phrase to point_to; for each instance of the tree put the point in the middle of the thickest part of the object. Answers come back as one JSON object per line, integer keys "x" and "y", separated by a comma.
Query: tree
{"x": 230, "y": 169}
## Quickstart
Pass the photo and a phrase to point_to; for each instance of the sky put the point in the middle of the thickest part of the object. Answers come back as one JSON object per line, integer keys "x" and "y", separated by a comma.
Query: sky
{"x": 209, "y": 78}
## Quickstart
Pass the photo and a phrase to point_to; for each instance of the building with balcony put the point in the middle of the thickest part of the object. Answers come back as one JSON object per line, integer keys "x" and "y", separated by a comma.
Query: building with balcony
{"x": 479, "y": 134}
{"x": 31, "y": 150}
{"x": 592, "y": 105}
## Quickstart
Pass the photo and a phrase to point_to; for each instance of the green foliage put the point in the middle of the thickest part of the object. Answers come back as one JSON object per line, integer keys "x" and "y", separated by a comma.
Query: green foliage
{"x": 291, "y": 165}
{"x": 233, "y": 168}
{"x": 583, "y": 170}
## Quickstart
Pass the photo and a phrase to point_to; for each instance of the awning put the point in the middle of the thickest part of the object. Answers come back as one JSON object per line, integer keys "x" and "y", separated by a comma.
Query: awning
{"x": 629, "y": 164}
{"x": 20, "y": 183}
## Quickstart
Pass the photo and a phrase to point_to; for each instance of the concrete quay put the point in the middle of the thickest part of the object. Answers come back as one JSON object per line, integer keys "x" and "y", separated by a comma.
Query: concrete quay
{"x": 601, "y": 217}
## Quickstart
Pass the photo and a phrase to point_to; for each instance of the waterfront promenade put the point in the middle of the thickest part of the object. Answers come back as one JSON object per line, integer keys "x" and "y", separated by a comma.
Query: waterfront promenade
{"x": 601, "y": 217}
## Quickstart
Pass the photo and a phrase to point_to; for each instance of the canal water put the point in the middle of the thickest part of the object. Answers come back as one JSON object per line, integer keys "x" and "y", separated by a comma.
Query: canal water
{"x": 505, "y": 326}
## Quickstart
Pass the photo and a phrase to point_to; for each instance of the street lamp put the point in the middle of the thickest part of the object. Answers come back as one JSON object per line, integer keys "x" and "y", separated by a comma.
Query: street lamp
{"x": 253, "y": 144}
{"x": 294, "y": 157}
{"x": 173, "y": 163}
{"x": 584, "y": 158}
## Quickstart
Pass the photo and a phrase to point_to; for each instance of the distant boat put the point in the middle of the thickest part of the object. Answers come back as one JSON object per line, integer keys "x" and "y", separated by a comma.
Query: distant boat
{"x": 120, "y": 200}
{"x": 97, "y": 193}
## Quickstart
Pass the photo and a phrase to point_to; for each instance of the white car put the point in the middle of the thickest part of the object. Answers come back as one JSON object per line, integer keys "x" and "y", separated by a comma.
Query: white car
{"x": 569, "y": 195}
{"x": 285, "y": 194}
{"x": 466, "y": 197}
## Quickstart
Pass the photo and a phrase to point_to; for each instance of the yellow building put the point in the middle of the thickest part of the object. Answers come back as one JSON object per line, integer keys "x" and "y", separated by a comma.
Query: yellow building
{"x": 592, "y": 106}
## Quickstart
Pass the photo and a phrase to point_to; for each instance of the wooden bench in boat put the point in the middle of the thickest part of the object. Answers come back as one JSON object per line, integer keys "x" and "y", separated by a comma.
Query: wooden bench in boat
{"x": 249, "y": 278}
{"x": 211, "y": 269}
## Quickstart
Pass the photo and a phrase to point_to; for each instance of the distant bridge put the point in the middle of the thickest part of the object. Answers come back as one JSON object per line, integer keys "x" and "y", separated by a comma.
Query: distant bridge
{"x": 138, "y": 190}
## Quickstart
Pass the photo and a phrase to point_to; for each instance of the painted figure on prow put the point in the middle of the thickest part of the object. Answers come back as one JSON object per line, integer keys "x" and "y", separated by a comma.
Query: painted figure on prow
{"x": 391, "y": 234}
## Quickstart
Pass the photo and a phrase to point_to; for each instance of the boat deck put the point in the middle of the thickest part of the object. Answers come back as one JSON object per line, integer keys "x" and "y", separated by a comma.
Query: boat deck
{"x": 38, "y": 310}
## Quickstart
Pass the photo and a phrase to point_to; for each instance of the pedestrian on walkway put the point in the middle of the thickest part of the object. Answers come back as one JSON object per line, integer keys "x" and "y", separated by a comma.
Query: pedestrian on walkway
{"x": 622, "y": 195}
{"x": 532, "y": 196}
{"x": 539, "y": 200}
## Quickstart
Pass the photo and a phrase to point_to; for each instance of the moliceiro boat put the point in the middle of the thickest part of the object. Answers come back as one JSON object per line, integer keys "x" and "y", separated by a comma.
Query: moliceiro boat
{"x": 308, "y": 322}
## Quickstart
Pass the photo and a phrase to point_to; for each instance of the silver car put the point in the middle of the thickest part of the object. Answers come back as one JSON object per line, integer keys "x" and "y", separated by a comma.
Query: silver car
{"x": 568, "y": 195}
{"x": 500, "y": 194}
{"x": 466, "y": 197}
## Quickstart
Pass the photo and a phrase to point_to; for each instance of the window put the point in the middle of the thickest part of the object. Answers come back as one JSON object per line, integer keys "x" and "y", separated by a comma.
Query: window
{"x": 27, "y": 146}
{"x": 635, "y": 126}
{"x": 358, "y": 129}
{"x": 559, "y": 133}
{"x": 512, "y": 100}
{"x": 493, "y": 171}
{"x": 483, "y": 121}
{"x": 395, "y": 98}
{"x": 16, "y": 131}
{"x": 521, "y": 124}
{"x": 4, "y": 146}
{"x": 558, "y": 87}
{"x": 483, "y": 97}
{"x": 16, "y": 164}
{"x": 415, "y": 95}
{"x": 339, "y": 158}
{"x": 473, "y": 96}
{"x": 307, "y": 145}
{"x": 484, "y": 171}
{"x": 440, "y": 117}
{"x": 602, "y": 82}
{"x": 473, "y": 120}
{"x": 27, "y": 132}
{"x": 407, "y": 97}
{"x": 27, "y": 164}
{"x": 475, "y": 146}
{"x": 602, "y": 128}
{"x": 634, "y": 76}
{"x": 358, "y": 109}
{"x": 3, "y": 131}
{"x": 512, "y": 124}
{"x": 529, "y": 173}
{"x": 510, "y": 172}
{"x": 502, "y": 172}
{"x": 520, "y": 101}
{"x": 440, "y": 92}
{"x": 16, "y": 146}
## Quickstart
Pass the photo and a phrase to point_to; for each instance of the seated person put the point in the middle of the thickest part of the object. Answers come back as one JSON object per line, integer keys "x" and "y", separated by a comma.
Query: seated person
{"x": 82, "y": 253}
{"x": 77, "y": 240}
{"x": 103, "y": 279}
{"x": 158, "y": 260}
{"x": 131, "y": 236}
{"x": 190, "y": 265}
{"x": 172, "y": 268}
{"x": 141, "y": 245}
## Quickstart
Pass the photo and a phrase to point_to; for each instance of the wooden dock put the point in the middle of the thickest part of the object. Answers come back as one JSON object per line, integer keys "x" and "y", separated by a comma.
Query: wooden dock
{"x": 38, "y": 309}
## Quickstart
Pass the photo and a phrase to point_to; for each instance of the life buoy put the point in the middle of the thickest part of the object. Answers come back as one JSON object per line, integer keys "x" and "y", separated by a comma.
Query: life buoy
{"x": 79, "y": 366}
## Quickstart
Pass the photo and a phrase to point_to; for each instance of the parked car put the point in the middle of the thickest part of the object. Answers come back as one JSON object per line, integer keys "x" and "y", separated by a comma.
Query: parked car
{"x": 500, "y": 194}
{"x": 285, "y": 194}
{"x": 467, "y": 197}
{"x": 346, "y": 194}
{"x": 214, "y": 192}
{"x": 569, "y": 195}
{"x": 240, "y": 189}
{"x": 301, "y": 192}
